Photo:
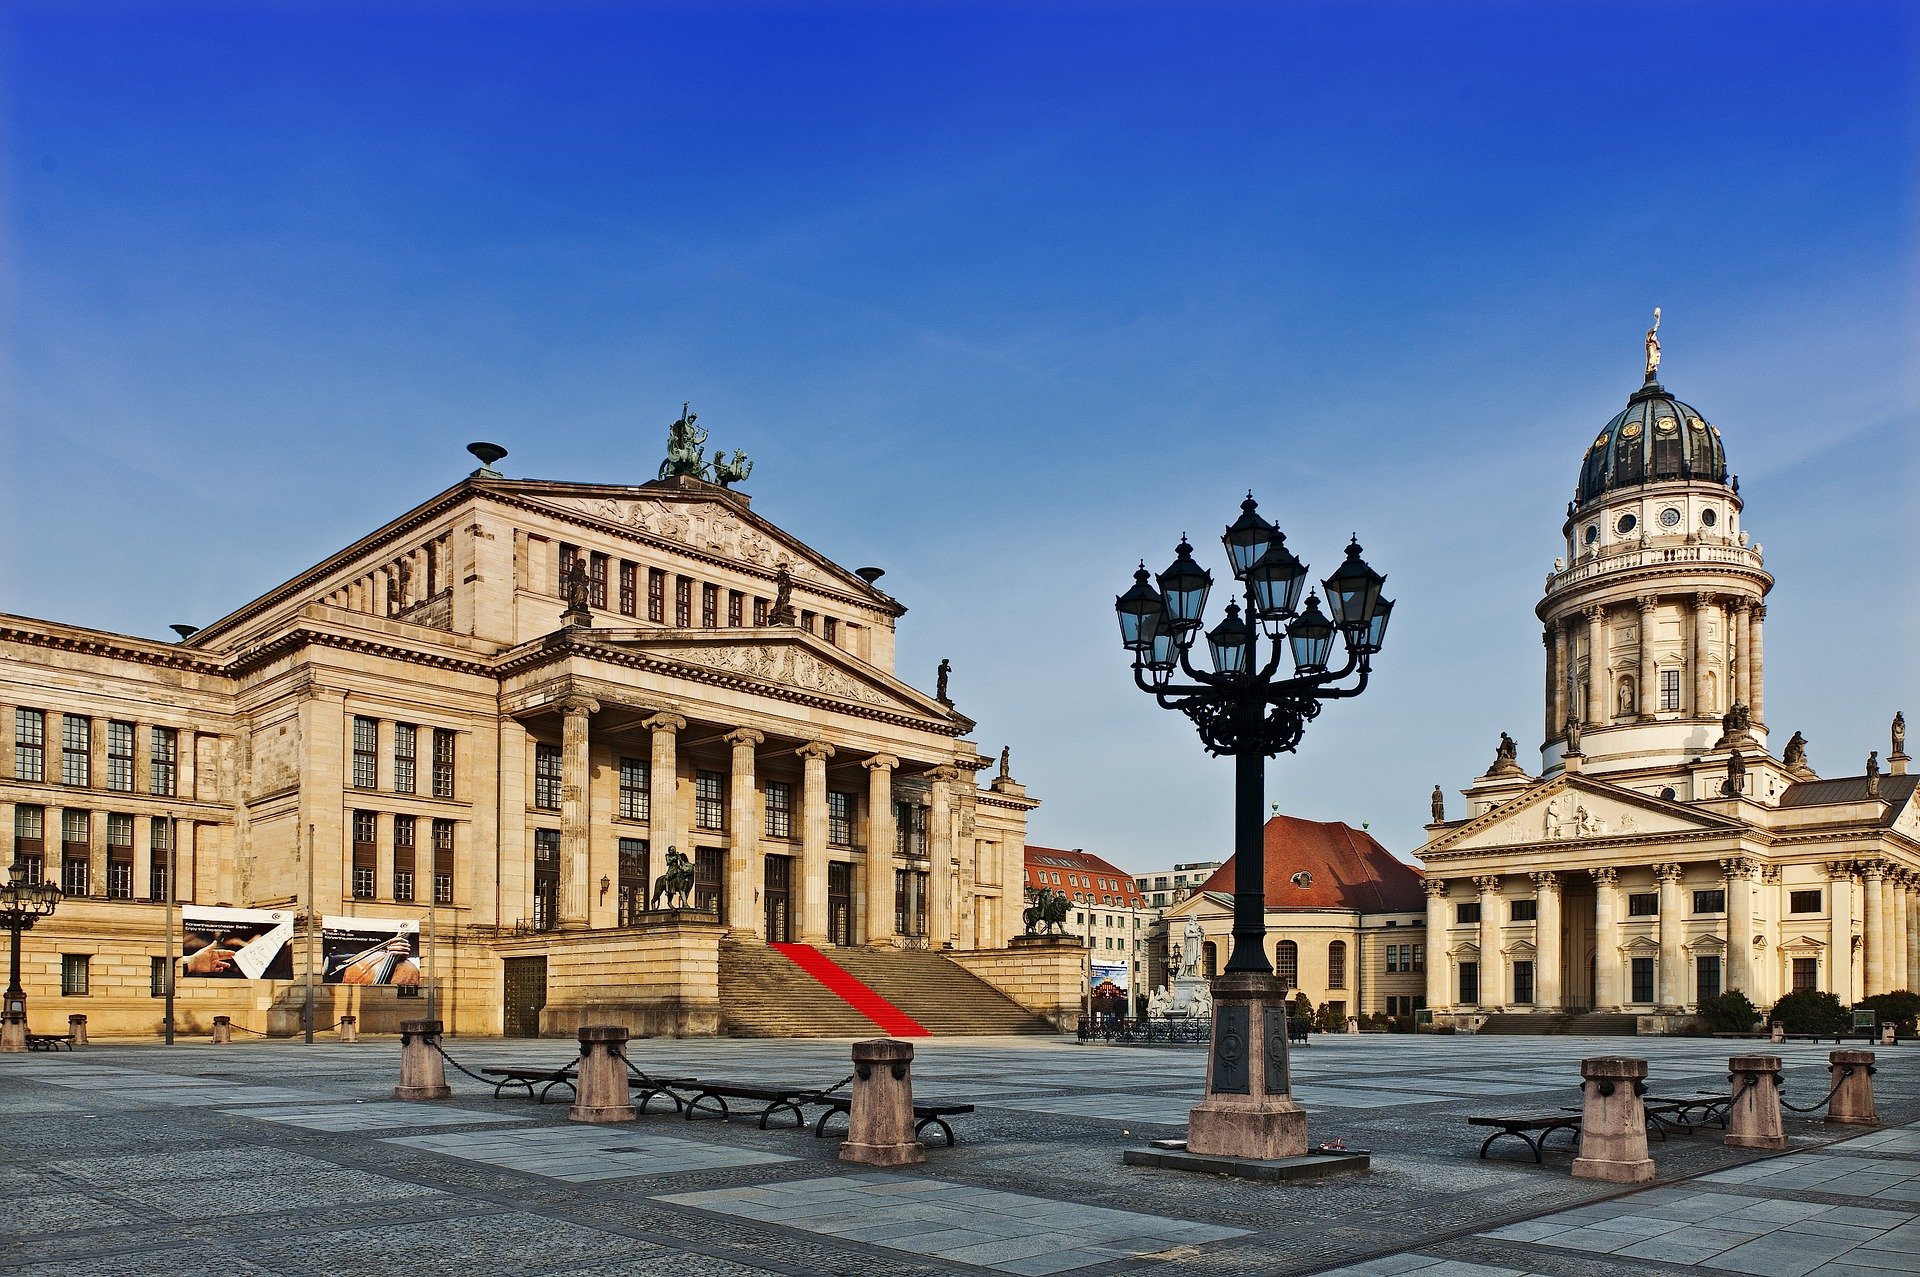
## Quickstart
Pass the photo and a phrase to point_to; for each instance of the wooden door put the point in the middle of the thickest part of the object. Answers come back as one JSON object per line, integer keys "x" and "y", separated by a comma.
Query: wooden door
{"x": 777, "y": 893}
{"x": 526, "y": 994}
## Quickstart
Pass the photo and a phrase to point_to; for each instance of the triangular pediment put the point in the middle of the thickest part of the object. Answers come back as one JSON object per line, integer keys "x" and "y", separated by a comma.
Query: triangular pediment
{"x": 1573, "y": 808}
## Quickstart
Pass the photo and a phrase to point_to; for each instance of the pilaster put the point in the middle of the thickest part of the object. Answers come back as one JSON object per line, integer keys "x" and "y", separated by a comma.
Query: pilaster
{"x": 1646, "y": 699}
{"x": 663, "y": 802}
{"x": 940, "y": 856}
{"x": 1599, "y": 698}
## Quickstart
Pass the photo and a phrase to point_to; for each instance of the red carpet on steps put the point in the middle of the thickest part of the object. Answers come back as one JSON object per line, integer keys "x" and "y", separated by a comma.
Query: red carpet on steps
{"x": 891, "y": 1019}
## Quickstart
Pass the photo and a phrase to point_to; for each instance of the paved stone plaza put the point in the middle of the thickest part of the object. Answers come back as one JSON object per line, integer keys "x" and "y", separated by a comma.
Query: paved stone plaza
{"x": 282, "y": 1158}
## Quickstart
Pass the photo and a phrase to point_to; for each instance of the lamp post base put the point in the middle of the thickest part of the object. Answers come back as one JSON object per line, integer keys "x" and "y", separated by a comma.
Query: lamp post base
{"x": 1249, "y": 1111}
{"x": 13, "y": 1036}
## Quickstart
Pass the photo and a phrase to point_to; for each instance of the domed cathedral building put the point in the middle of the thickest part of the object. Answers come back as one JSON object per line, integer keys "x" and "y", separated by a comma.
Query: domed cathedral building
{"x": 1666, "y": 852}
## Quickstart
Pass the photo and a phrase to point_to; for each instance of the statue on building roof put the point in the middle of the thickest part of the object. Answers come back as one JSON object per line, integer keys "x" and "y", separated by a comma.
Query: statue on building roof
{"x": 727, "y": 473}
{"x": 940, "y": 687}
{"x": 1653, "y": 345}
{"x": 1873, "y": 774}
{"x": 576, "y": 591}
{"x": 1006, "y": 762}
{"x": 1795, "y": 755}
{"x": 1439, "y": 805}
{"x": 1509, "y": 751}
{"x": 1736, "y": 774}
{"x": 782, "y": 612}
{"x": 1899, "y": 734}
{"x": 1573, "y": 734}
{"x": 686, "y": 447}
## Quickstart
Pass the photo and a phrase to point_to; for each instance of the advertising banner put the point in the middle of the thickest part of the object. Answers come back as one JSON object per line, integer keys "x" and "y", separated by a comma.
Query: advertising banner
{"x": 1114, "y": 975}
{"x": 236, "y": 944}
{"x": 370, "y": 951}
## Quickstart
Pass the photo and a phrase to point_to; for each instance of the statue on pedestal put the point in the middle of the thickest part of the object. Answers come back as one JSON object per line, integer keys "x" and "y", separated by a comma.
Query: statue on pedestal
{"x": 1899, "y": 734}
{"x": 1439, "y": 805}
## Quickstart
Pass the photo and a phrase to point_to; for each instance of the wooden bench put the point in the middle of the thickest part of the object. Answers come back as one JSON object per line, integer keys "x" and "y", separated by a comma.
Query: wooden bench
{"x": 1531, "y": 1129}
{"x": 49, "y": 1041}
{"x": 925, "y": 1115}
{"x": 710, "y": 1099}
{"x": 529, "y": 1078}
{"x": 1684, "y": 1112}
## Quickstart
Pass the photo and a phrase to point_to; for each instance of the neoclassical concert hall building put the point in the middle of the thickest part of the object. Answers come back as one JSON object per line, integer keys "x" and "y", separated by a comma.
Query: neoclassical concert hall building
{"x": 495, "y": 715}
{"x": 1667, "y": 851}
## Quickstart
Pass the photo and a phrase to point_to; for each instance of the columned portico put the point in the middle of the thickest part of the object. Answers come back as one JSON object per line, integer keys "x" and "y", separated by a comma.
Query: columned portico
{"x": 1493, "y": 964}
{"x": 745, "y": 868}
{"x": 813, "y": 842}
{"x": 1606, "y": 940}
{"x": 1673, "y": 961}
{"x": 881, "y": 835}
{"x": 1549, "y": 992}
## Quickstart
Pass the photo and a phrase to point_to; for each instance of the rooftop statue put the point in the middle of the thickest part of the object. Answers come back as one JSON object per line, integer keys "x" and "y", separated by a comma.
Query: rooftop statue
{"x": 727, "y": 473}
{"x": 1795, "y": 755}
{"x": 782, "y": 612}
{"x": 1439, "y": 805}
{"x": 1653, "y": 345}
{"x": 1899, "y": 733}
{"x": 687, "y": 454}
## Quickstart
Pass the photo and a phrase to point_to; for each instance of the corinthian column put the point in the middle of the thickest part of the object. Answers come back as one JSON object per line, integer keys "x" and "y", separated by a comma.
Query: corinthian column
{"x": 1547, "y": 981}
{"x": 1739, "y": 872}
{"x": 1646, "y": 699}
{"x": 1702, "y": 604}
{"x": 1873, "y": 930}
{"x": 1493, "y": 968}
{"x": 1672, "y": 988}
{"x": 1740, "y": 626}
{"x": 663, "y": 785}
{"x": 744, "y": 873}
{"x": 880, "y": 851}
{"x": 1598, "y": 711}
{"x": 1756, "y": 669}
{"x": 813, "y": 842}
{"x": 1553, "y": 676}
{"x": 940, "y": 854}
{"x": 1840, "y": 929}
{"x": 575, "y": 808}
{"x": 1606, "y": 939}
{"x": 1913, "y": 931}
{"x": 1438, "y": 963}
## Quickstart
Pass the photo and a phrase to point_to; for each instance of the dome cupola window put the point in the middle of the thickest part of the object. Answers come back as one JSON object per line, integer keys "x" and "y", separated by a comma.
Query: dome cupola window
{"x": 1709, "y": 516}
{"x": 1627, "y": 524}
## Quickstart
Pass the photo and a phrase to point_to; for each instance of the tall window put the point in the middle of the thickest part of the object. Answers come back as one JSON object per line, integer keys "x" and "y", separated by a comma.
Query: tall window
{"x": 74, "y": 832}
{"x": 636, "y": 789}
{"x": 709, "y": 605}
{"x": 910, "y": 829}
{"x": 163, "y": 763}
{"x": 633, "y": 880}
{"x": 74, "y": 974}
{"x": 1642, "y": 979}
{"x": 597, "y": 581}
{"x": 443, "y": 862}
{"x": 779, "y": 809}
{"x": 403, "y": 858}
{"x": 1707, "y": 972}
{"x": 830, "y": 629}
{"x": 839, "y": 818}
{"x": 546, "y": 878}
{"x": 1337, "y": 965}
{"x": 709, "y": 800}
{"x": 443, "y": 746}
{"x": 120, "y": 756}
{"x": 1287, "y": 964}
{"x": 629, "y": 587}
{"x": 683, "y": 602}
{"x": 30, "y": 744}
{"x": 656, "y": 595}
{"x": 29, "y": 844}
{"x": 76, "y": 750}
{"x": 1669, "y": 689}
{"x": 1806, "y": 974}
{"x": 1420, "y": 957}
{"x": 119, "y": 856}
{"x": 760, "y": 612}
{"x": 405, "y": 745}
{"x": 1393, "y": 957}
{"x": 546, "y": 776}
{"x": 1470, "y": 983}
{"x": 736, "y": 602}
{"x": 910, "y": 902}
{"x": 568, "y": 553}
{"x": 1523, "y": 983}
{"x": 366, "y": 748}
{"x": 160, "y": 859}
{"x": 363, "y": 855}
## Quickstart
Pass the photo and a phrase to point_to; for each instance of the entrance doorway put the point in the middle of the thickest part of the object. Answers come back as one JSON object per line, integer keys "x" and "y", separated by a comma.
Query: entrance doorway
{"x": 777, "y": 892}
{"x": 526, "y": 980}
{"x": 839, "y": 902}
{"x": 710, "y": 881}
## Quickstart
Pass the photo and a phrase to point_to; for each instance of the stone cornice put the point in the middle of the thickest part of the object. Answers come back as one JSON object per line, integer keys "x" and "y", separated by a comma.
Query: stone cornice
{"x": 71, "y": 638}
{"x": 305, "y": 636}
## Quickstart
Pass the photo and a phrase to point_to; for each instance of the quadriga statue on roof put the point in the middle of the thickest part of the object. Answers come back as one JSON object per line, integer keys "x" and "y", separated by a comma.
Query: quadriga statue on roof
{"x": 687, "y": 454}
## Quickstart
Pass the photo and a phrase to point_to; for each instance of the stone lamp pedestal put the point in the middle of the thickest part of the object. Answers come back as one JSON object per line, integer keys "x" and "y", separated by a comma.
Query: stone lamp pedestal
{"x": 1249, "y": 1109}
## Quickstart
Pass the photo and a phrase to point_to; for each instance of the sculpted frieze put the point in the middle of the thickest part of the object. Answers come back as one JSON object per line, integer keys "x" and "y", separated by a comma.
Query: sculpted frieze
{"x": 708, "y": 527}
{"x": 783, "y": 666}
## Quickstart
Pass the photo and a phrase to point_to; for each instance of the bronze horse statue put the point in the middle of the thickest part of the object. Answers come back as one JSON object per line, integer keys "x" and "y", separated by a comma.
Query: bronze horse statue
{"x": 1049, "y": 909}
{"x": 676, "y": 884}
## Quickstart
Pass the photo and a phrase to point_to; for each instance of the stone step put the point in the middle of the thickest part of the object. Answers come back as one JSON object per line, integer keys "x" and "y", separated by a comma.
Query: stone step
{"x": 940, "y": 994}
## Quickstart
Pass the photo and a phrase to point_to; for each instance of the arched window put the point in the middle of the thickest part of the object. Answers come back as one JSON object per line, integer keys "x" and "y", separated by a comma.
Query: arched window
{"x": 1337, "y": 965}
{"x": 1628, "y": 696}
{"x": 1287, "y": 964}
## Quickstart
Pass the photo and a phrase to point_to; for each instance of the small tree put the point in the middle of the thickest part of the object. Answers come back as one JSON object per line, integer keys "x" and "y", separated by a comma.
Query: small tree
{"x": 1810, "y": 1011}
{"x": 1301, "y": 1009}
{"x": 1329, "y": 1020}
{"x": 1730, "y": 1012}
{"x": 1901, "y": 1008}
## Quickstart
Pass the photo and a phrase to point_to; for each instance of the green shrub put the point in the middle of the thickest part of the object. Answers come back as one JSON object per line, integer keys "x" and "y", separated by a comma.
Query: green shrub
{"x": 1329, "y": 1020}
{"x": 1810, "y": 1011}
{"x": 1902, "y": 1009}
{"x": 1731, "y": 1012}
{"x": 1301, "y": 1009}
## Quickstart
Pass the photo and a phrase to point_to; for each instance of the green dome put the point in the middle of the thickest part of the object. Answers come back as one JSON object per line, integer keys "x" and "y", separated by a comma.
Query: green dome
{"x": 1655, "y": 438}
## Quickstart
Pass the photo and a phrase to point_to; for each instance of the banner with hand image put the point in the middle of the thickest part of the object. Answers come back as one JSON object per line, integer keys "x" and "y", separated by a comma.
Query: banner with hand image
{"x": 383, "y": 951}
{"x": 236, "y": 944}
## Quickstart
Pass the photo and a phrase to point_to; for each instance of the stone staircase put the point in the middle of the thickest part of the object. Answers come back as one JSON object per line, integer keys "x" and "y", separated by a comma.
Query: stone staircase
{"x": 946, "y": 998}
{"x": 763, "y": 994}
{"x": 1563, "y": 1023}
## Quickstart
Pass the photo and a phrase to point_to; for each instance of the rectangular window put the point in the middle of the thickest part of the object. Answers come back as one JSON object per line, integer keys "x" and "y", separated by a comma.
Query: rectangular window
{"x": 1805, "y": 901}
{"x": 366, "y": 751}
{"x": 1465, "y": 913}
{"x": 75, "y": 833}
{"x": 76, "y": 750}
{"x": 1525, "y": 910}
{"x": 779, "y": 799}
{"x": 709, "y": 605}
{"x": 74, "y": 973}
{"x": 1707, "y": 973}
{"x": 29, "y": 844}
{"x": 443, "y": 758}
{"x": 1669, "y": 689}
{"x": 683, "y": 602}
{"x": 156, "y": 977}
{"x": 909, "y": 902}
{"x": 546, "y": 776}
{"x": 1806, "y": 974}
{"x": 597, "y": 581}
{"x": 910, "y": 831}
{"x": 443, "y": 862}
{"x": 736, "y": 603}
{"x": 119, "y": 856}
{"x": 633, "y": 880}
{"x": 1420, "y": 957}
{"x": 656, "y": 595}
{"x": 806, "y": 621}
{"x": 1393, "y": 959}
{"x": 1337, "y": 965}
{"x": 709, "y": 800}
{"x": 363, "y": 855}
{"x": 636, "y": 789}
{"x": 1523, "y": 983}
{"x": 1470, "y": 983}
{"x": 1643, "y": 904}
{"x": 568, "y": 553}
{"x": 403, "y": 858}
{"x": 1710, "y": 901}
{"x": 546, "y": 878}
{"x": 160, "y": 857}
{"x": 830, "y": 630}
{"x": 163, "y": 766}
{"x": 30, "y": 744}
{"x": 629, "y": 588}
{"x": 760, "y": 618}
{"x": 1642, "y": 971}
{"x": 405, "y": 747}
{"x": 839, "y": 819}
{"x": 120, "y": 756}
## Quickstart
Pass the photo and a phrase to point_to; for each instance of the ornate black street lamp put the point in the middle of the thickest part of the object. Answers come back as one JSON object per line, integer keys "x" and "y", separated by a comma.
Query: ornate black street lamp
{"x": 21, "y": 905}
{"x": 1244, "y": 708}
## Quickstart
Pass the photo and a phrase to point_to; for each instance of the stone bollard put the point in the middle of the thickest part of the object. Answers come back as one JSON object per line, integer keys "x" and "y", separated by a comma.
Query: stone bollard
{"x": 1779, "y": 1033}
{"x": 223, "y": 1030}
{"x": 1852, "y": 1101}
{"x": 422, "y": 1075}
{"x": 13, "y": 1034}
{"x": 600, "y": 1091}
{"x": 77, "y": 1028}
{"x": 349, "y": 1028}
{"x": 880, "y": 1119}
{"x": 1889, "y": 1034}
{"x": 1613, "y": 1121}
{"x": 1754, "y": 1119}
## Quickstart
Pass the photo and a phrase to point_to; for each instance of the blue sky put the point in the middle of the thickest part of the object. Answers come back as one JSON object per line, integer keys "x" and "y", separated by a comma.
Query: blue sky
{"x": 1001, "y": 298}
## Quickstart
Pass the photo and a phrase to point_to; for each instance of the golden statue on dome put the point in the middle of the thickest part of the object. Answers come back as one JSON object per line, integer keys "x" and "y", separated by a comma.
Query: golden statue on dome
{"x": 1653, "y": 345}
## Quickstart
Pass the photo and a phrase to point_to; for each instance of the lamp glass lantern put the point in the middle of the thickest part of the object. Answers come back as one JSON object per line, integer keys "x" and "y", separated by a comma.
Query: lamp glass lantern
{"x": 1229, "y": 642}
{"x": 1277, "y": 578}
{"x": 1377, "y": 627}
{"x": 1184, "y": 587}
{"x": 1142, "y": 613}
{"x": 1352, "y": 591}
{"x": 1247, "y": 537}
{"x": 1311, "y": 636}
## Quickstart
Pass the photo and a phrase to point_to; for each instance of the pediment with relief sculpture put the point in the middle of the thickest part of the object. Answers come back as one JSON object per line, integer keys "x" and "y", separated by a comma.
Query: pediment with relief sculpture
{"x": 791, "y": 664}
{"x": 1568, "y": 809}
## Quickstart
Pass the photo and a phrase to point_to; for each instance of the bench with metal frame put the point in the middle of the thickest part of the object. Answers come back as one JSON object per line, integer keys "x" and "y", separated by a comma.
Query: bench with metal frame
{"x": 1531, "y": 1129}
{"x": 709, "y": 1099}
{"x": 49, "y": 1041}
{"x": 529, "y": 1078}
{"x": 925, "y": 1115}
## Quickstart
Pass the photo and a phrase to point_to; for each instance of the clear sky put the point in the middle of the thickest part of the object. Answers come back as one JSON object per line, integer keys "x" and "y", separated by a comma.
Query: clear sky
{"x": 1000, "y": 298}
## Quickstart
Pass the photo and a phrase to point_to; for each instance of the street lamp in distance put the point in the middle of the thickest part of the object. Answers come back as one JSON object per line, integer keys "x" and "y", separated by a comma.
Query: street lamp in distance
{"x": 21, "y": 905}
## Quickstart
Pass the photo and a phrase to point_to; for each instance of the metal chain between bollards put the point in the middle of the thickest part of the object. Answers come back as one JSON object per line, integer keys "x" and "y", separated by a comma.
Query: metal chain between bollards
{"x": 1846, "y": 1071}
{"x": 435, "y": 1044}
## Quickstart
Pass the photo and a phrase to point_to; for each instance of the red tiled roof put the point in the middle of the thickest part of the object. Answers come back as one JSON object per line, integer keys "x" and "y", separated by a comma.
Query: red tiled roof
{"x": 1349, "y": 870}
{"x": 1054, "y": 860}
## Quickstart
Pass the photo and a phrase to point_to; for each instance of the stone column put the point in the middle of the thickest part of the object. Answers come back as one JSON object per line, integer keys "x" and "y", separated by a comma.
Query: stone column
{"x": 1756, "y": 682}
{"x": 1893, "y": 933}
{"x": 1873, "y": 927}
{"x": 881, "y": 836}
{"x": 1671, "y": 986}
{"x": 940, "y": 857}
{"x": 1598, "y": 711}
{"x": 1493, "y": 964}
{"x": 1547, "y": 984}
{"x": 1647, "y": 695}
{"x": 1740, "y": 628}
{"x": 663, "y": 783}
{"x": 813, "y": 842}
{"x": 576, "y": 771}
{"x": 745, "y": 868}
{"x": 1702, "y": 605}
{"x": 1913, "y": 932}
{"x": 1438, "y": 993}
{"x": 1739, "y": 872}
{"x": 1840, "y": 934}
{"x": 1552, "y": 699}
{"x": 1606, "y": 940}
